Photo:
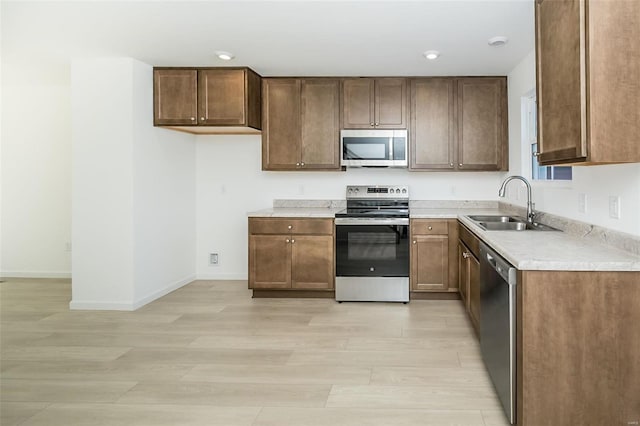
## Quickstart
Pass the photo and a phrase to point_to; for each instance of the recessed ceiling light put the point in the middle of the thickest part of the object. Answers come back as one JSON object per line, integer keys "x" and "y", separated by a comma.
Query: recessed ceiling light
{"x": 431, "y": 54}
{"x": 498, "y": 41}
{"x": 225, "y": 56}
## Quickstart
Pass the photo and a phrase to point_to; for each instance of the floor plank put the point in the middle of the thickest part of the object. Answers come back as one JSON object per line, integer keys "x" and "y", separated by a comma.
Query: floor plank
{"x": 209, "y": 354}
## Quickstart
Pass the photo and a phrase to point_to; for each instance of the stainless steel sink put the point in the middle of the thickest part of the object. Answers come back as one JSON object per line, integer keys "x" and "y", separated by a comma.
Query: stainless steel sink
{"x": 496, "y": 218}
{"x": 508, "y": 223}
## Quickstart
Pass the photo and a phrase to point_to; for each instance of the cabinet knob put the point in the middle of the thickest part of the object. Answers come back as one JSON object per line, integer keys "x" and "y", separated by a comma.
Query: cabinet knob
{"x": 450, "y": 164}
{"x": 302, "y": 164}
{"x": 287, "y": 240}
{"x": 459, "y": 164}
{"x": 430, "y": 228}
{"x": 293, "y": 241}
{"x": 465, "y": 255}
{"x": 193, "y": 119}
{"x": 536, "y": 154}
{"x": 290, "y": 226}
{"x": 415, "y": 242}
{"x": 298, "y": 164}
{"x": 377, "y": 124}
{"x": 371, "y": 124}
{"x": 201, "y": 118}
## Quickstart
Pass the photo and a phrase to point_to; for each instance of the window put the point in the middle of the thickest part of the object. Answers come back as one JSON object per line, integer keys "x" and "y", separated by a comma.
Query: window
{"x": 539, "y": 172}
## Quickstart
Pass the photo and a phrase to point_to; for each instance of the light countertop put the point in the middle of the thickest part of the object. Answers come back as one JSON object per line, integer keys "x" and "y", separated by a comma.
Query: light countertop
{"x": 526, "y": 250}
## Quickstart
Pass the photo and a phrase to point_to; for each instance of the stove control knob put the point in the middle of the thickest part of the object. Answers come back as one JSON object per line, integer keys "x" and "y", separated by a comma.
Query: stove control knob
{"x": 350, "y": 190}
{"x": 404, "y": 191}
{"x": 391, "y": 190}
{"x": 356, "y": 190}
{"x": 372, "y": 269}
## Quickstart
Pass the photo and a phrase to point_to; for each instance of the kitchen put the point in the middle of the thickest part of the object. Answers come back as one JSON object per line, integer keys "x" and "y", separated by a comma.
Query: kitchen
{"x": 156, "y": 204}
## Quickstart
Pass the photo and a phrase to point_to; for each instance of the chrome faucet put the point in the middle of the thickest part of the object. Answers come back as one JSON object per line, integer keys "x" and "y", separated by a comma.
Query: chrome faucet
{"x": 530, "y": 213}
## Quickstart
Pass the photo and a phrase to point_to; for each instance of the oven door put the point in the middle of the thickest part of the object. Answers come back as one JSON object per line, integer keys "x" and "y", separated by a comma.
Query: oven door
{"x": 372, "y": 247}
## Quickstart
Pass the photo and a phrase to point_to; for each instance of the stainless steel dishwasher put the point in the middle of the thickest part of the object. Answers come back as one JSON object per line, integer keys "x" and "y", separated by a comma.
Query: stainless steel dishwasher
{"x": 498, "y": 288}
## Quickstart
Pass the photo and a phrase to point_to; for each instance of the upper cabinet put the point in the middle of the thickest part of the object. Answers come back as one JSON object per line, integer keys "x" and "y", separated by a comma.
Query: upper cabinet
{"x": 459, "y": 124}
{"x": 379, "y": 103}
{"x": 588, "y": 81}
{"x": 207, "y": 100}
{"x": 301, "y": 124}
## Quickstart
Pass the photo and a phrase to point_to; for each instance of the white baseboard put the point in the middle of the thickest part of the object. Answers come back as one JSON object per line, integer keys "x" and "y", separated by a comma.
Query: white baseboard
{"x": 230, "y": 277}
{"x": 129, "y": 306}
{"x": 158, "y": 294}
{"x": 35, "y": 274}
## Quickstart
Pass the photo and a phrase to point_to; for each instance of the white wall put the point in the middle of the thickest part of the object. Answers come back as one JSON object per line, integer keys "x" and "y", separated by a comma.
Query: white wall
{"x": 561, "y": 198}
{"x": 230, "y": 183}
{"x": 133, "y": 190}
{"x": 36, "y": 172}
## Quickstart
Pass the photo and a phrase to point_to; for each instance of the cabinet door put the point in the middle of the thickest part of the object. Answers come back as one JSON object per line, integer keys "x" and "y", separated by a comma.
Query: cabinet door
{"x": 320, "y": 105}
{"x": 175, "y": 97}
{"x": 280, "y": 124}
{"x": 269, "y": 261}
{"x": 463, "y": 274}
{"x": 357, "y": 103}
{"x": 561, "y": 84}
{"x": 430, "y": 263}
{"x": 432, "y": 134}
{"x": 474, "y": 292}
{"x": 312, "y": 262}
{"x": 482, "y": 124}
{"x": 390, "y": 103}
{"x": 221, "y": 97}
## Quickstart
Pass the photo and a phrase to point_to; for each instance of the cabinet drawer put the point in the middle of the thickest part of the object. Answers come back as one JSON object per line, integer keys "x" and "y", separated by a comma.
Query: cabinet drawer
{"x": 429, "y": 227}
{"x": 290, "y": 226}
{"x": 470, "y": 240}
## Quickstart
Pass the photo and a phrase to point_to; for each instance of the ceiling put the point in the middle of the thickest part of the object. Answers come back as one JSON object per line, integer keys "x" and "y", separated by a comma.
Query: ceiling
{"x": 276, "y": 38}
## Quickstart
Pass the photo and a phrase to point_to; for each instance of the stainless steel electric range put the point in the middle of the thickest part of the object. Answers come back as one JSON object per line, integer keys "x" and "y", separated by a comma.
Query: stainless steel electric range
{"x": 372, "y": 245}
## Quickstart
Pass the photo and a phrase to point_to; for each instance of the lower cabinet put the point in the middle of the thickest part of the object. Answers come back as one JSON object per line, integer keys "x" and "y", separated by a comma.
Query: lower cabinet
{"x": 469, "y": 274}
{"x": 291, "y": 254}
{"x": 433, "y": 249}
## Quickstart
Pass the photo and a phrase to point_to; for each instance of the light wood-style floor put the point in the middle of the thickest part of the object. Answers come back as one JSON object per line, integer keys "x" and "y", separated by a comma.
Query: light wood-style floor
{"x": 208, "y": 354}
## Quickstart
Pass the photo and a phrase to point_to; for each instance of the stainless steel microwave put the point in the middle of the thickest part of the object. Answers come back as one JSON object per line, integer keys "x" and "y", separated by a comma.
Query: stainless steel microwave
{"x": 373, "y": 148}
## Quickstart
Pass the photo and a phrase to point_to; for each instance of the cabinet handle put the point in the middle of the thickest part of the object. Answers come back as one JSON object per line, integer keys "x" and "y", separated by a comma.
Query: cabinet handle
{"x": 371, "y": 124}
{"x": 415, "y": 242}
{"x": 459, "y": 164}
{"x": 298, "y": 164}
{"x": 302, "y": 164}
{"x": 290, "y": 226}
{"x": 450, "y": 164}
{"x": 293, "y": 241}
{"x": 377, "y": 124}
{"x": 193, "y": 119}
{"x": 430, "y": 228}
{"x": 201, "y": 118}
{"x": 287, "y": 240}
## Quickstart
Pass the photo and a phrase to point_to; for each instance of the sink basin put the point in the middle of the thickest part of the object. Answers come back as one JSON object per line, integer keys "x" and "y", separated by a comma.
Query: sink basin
{"x": 493, "y": 218}
{"x": 508, "y": 223}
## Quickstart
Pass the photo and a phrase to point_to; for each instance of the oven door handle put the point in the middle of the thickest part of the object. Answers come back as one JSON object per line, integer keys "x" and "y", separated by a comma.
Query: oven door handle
{"x": 371, "y": 221}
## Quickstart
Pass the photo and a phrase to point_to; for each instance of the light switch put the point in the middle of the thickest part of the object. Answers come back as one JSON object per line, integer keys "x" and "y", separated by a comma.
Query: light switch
{"x": 582, "y": 203}
{"x": 614, "y": 207}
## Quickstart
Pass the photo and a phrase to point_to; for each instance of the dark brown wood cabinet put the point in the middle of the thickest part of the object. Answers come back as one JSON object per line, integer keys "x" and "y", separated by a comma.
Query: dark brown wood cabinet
{"x": 459, "y": 124}
{"x": 433, "y": 249}
{"x": 291, "y": 254}
{"x": 577, "y": 334}
{"x": 379, "y": 103}
{"x": 588, "y": 81}
{"x": 207, "y": 100}
{"x": 301, "y": 128}
{"x": 469, "y": 274}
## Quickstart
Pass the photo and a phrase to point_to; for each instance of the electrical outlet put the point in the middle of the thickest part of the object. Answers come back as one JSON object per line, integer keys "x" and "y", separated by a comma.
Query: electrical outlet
{"x": 213, "y": 258}
{"x": 614, "y": 207}
{"x": 582, "y": 203}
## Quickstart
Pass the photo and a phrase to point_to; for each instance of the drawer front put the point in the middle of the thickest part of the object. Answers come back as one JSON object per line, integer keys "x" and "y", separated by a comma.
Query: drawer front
{"x": 470, "y": 240}
{"x": 429, "y": 227}
{"x": 290, "y": 226}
